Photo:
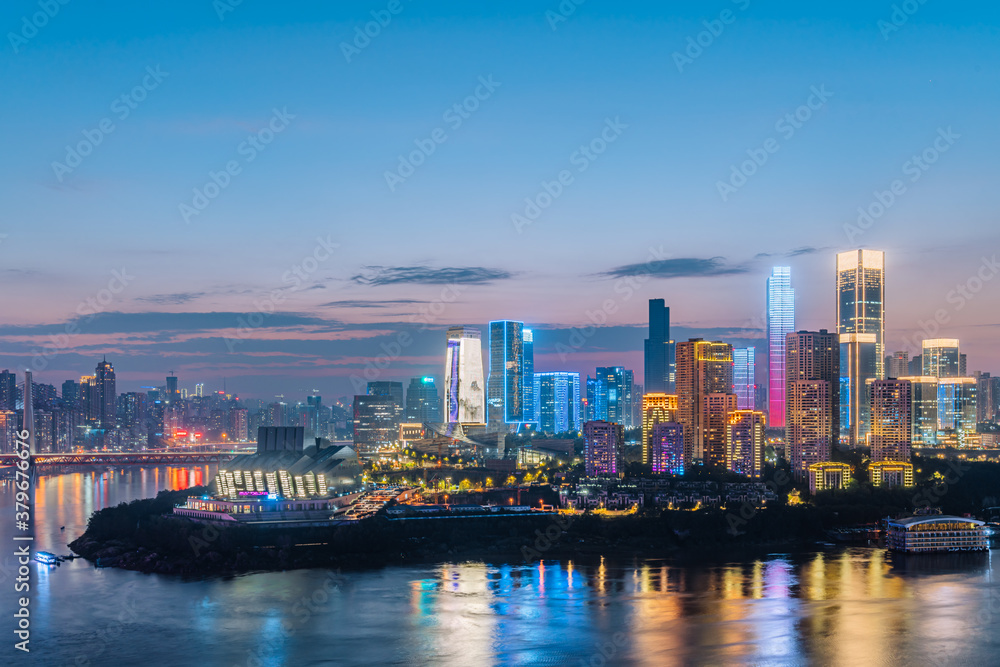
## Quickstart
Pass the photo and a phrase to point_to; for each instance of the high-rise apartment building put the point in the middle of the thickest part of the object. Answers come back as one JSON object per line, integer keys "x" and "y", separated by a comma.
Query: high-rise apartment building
{"x": 104, "y": 403}
{"x": 376, "y": 423}
{"x": 656, "y": 408}
{"x": 745, "y": 442}
{"x": 666, "y": 444}
{"x": 780, "y": 323}
{"x": 603, "y": 448}
{"x": 659, "y": 369}
{"x": 892, "y": 426}
{"x": 812, "y": 377}
{"x": 986, "y": 397}
{"x": 505, "y": 385}
{"x": 897, "y": 365}
{"x": 558, "y": 404}
{"x": 861, "y": 299}
{"x": 619, "y": 383}
{"x": 704, "y": 379}
{"x": 394, "y": 392}
{"x": 744, "y": 382}
{"x": 465, "y": 395}
{"x": 8, "y": 390}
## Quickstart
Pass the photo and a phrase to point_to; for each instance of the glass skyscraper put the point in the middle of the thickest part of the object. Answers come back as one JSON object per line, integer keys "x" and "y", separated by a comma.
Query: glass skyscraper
{"x": 597, "y": 399}
{"x": 659, "y": 351}
{"x": 861, "y": 298}
{"x": 558, "y": 406}
{"x": 619, "y": 383}
{"x": 465, "y": 399}
{"x": 510, "y": 386}
{"x": 941, "y": 358}
{"x": 780, "y": 323}
{"x": 744, "y": 385}
{"x": 530, "y": 396}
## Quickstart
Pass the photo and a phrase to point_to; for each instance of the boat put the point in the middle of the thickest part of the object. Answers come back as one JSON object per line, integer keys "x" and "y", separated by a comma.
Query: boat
{"x": 47, "y": 558}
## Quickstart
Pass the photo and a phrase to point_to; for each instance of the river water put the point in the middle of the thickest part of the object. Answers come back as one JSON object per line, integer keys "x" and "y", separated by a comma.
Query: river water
{"x": 839, "y": 606}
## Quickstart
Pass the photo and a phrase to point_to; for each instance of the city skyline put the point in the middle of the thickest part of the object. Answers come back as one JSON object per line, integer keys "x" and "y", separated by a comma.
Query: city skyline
{"x": 283, "y": 280}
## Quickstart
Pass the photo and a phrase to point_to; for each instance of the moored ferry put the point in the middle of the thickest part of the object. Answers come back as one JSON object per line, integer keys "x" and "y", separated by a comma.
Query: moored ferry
{"x": 936, "y": 533}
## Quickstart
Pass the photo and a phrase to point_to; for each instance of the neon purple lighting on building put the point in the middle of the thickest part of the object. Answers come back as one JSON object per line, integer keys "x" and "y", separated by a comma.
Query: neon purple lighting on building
{"x": 455, "y": 348}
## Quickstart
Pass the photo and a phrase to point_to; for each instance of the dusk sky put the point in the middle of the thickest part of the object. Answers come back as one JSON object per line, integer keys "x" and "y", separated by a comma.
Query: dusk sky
{"x": 343, "y": 259}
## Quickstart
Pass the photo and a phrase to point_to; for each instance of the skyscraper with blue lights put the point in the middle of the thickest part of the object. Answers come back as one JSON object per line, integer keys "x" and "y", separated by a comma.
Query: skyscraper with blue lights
{"x": 744, "y": 384}
{"x": 780, "y": 323}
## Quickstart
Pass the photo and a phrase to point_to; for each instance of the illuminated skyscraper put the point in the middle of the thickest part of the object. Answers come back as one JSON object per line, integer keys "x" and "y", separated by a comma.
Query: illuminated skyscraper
{"x": 941, "y": 357}
{"x": 659, "y": 351}
{"x": 892, "y": 428}
{"x": 923, "y": 410}
{"x": 956, "y": 410}
{"x": 666, "y": 443}
{"x": 861, "y": 299}
{"x": 704, "y": 388}
{"x": 745, "y": 442}
{"x": 812, "y": 378}
{"x": 528, "y": 374}
{"x": 744, "y": 384}
{"x": 597, "y": 400}
{"x": 603, "y": 448}
{"x": 376, "y": 423}
{"x": 780, "y": 323}
{"x": 619, "y": 383}
{"x": 28, "y": 420}
{"x": 505, "y": 386}
{"x": 423, "y": 403}
{"x": 656, "y": 408}
{"x": 897, "y": 366}
{"x": 105, "y": 408}
{"x": 858, "y": 366}
{"x": 558, "y": 403}
{"x": 8, "y": 390}
{"x": 465, "y": 396}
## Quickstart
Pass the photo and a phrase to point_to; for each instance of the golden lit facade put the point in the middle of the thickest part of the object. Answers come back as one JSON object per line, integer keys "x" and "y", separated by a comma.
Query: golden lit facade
{"x": 861, "y": 298}
{"x": 704, "y": 369}
{"x": 656, "y": 408}
{"x": 891, "y": 473}
{"x": 892, "y": 430}
{"x": 828, "y": 476}
{"x": 745, "y": 442}
{"x": 918, "y": 534}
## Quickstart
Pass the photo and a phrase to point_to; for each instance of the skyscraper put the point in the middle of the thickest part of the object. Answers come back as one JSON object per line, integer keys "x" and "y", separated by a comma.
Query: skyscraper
{"x": 780, "y": 323}
{"x": 597, "y": 400}
{"x": 666, "y": 442}
{"x": 505, "y": 385}
{"x": 619, "y": 383}
{"x": 745, "y": 443}
{"x": 28, "y": 421}
{"x": 603, "y": 445}
{"x": 861, "y": 299}
{"x": 659, "y": 351}
{"x": 891, "y": 429}
{"x": 744, "y": 384}
{"x": 858, "y": 366}
{"x": 106, "y": 398}
{"x": 986, "y": 398}
{"x": 376, "y": 423}
{"x": 923, "y": 410}
{"x": 941, "y": 357}
{"x": 898, "y": 365}
{"x": 173, "y": 395}
{"x": 423, "y": 403}
{"x": 465, "y": 397}
{"x": 812, "y": 413}
{"x": 956, "y": 410}
{"x": 656, "y": 408}
{"x": 530, "y": 398}
{"x": 558, "y": 403}
{"x": 8, "y": 390}
{"x": 391, "y": 390}
{"x": 704, "y": 388}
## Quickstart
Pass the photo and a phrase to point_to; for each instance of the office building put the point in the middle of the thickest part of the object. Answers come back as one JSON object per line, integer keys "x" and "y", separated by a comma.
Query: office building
{"x": 861, "y": 300}
{"x": 505, "y": 385}
{"x": 104, "y": 400}
{"x": 923, "y": 410}
{"x": 8, "y": 431}
{"x": 596, "y": 408}
{"x": 392, "y": 391}
{"x": 558, "y": 406}
{"x": 956, "y": 411}
{"x": 173, "y": 394}
{"x": 780, "y": 323}
{"x": 704, "y": 379}
{"x": 70, "y": 393}
{"x": 858, "y": 366}
{"x": 987, "y": 396}
{"x": 465, "y": 395}
{"x": 745, "y": 443}
{"x": 619, "y": 383}
{"x": 897, "y": 365}
{"x": 666, "y": 448}
{"x": 941, "y": 358}
{"x": 423, "y": 402}
{"x": 8, "y": 390}
{"x": 891, "y": 426}
{"x": 604, "y": 443}
{"x": 744, "y": 380}
{"x": 659, "y": 368}
{"x": 656, "y": 408}
{"x": 376, "y": 424}
{"x": 812, "y": 381}
{"x": 528, "y": 375}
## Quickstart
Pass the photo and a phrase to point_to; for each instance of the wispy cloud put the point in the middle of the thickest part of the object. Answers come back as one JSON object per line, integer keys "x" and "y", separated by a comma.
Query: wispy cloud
{"x": 681, "y": 267}
{"x": 798, "y": 252}
{"x": 359, "y": 303}
{"x": 425, "y": 275}
{"x": 171, "y": 299}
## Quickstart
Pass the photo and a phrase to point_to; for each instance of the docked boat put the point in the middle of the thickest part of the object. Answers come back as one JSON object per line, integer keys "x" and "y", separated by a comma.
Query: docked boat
{"x": 47, "y": 558}
{"x": 936, "y": 533}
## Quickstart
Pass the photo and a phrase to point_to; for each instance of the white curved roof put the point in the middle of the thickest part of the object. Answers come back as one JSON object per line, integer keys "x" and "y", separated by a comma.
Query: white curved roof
{"x": 934, "y": 518}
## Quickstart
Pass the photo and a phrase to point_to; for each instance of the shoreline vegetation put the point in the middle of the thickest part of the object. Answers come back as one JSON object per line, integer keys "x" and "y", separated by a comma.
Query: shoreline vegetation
{"x": 143, "y": 536}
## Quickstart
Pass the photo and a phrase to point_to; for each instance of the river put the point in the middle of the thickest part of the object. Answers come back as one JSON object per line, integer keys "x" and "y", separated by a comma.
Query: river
{"x": 839, "y": 606}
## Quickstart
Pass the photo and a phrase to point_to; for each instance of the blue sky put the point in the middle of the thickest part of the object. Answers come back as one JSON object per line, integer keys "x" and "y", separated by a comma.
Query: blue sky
{"x": 653, "y": 193}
